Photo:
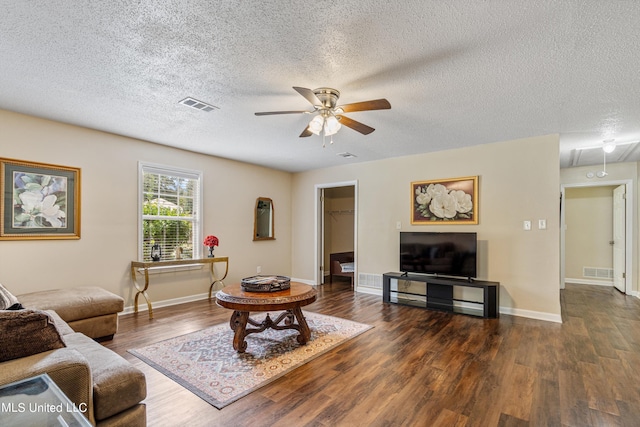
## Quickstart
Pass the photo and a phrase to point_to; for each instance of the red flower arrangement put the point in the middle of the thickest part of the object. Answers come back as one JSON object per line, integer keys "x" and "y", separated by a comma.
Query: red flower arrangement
{"x": 211, "y": 241}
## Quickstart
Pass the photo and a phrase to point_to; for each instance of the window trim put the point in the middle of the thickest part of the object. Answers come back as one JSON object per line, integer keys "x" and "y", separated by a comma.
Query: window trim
{"x": 173, "y": 171}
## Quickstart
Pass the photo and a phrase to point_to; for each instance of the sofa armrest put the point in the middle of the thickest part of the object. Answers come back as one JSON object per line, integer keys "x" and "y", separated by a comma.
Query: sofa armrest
{"x": 67, "y": 368}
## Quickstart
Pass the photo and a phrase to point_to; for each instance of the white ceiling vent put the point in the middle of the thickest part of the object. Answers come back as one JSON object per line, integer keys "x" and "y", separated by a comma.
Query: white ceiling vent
{"x": 198, "y": 105}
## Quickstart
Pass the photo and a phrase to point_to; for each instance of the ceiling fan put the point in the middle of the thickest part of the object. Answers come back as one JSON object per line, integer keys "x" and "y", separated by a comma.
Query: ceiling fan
{"x": 330, "y": 115}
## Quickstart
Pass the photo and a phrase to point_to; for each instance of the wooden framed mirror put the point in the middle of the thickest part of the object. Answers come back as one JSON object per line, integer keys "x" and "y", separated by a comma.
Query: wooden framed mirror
{"x": 263, "y": 219}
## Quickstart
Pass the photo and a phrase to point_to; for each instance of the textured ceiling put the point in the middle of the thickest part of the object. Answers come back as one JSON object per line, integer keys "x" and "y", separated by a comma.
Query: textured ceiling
{"x": 457, "y": 73}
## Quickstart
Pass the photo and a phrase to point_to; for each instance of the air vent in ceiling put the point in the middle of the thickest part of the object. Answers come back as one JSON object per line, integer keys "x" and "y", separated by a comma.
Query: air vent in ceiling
{"x": 198, "y": 105}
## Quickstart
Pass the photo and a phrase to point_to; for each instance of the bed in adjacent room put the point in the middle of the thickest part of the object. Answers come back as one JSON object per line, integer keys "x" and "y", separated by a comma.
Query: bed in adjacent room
{"x": 342, "y": 265}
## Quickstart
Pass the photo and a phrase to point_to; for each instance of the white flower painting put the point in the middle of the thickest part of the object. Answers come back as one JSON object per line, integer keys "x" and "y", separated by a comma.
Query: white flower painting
{"x": 445, "y": 201}
{"x": 39, "y": 201}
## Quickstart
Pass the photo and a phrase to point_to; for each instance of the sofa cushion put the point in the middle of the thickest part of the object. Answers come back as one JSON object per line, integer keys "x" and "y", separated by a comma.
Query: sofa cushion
{"x": 61, "y": 325}
{"x": 27, "y": 332}
{"x": 75, "y": 303}
{"x": 97, "y": 327}
{"x": 117, "y": 384}
{"x": 8, "y": 301}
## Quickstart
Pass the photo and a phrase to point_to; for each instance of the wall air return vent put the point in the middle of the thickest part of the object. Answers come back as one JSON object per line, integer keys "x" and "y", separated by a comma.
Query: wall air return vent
{"x": 597, "y": 272}
{"x": 369, "y": 280}
{"x": 198, "y": 105}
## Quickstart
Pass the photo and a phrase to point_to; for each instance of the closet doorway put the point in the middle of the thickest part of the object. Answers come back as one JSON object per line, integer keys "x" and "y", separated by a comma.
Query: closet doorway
{"x": 336, "y": 221}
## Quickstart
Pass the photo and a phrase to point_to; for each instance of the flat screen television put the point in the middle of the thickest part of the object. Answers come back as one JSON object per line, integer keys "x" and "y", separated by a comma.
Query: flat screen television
{"x": 439, "y": 253}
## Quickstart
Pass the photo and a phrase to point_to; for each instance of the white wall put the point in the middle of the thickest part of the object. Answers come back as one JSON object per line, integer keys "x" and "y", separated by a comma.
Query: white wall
{"x": 518, "y": 180}
{"x": 109, "y": 240}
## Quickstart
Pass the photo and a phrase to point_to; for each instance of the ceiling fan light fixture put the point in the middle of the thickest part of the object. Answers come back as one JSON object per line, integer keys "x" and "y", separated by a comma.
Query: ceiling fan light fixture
{"x": 331, "y": 126}
{"x": 316, "y": 124}
{"x": 329, "y": 118}
{"x": 609, "y": 145}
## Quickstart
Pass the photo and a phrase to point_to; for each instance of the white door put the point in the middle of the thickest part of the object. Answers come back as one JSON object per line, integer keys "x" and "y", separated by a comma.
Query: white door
{"x": 619, "y": 235}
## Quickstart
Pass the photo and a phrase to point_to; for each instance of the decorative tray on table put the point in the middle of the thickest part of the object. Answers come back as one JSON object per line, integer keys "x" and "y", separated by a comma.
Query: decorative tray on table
{"x": 265, "y": 283}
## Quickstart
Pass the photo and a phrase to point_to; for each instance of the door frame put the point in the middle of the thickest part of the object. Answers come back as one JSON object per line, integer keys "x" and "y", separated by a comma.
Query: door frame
{"x": 628, "y": 224}
{"x": 319, "y": 253}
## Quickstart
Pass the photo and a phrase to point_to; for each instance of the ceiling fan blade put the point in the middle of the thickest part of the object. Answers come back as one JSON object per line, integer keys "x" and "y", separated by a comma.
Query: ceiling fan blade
{"x": 270, "y": 113}
{"x": 306, "y": 132}
{"x": 376, "y": 104}
{"x": 360, "y": 127}
{"x": 308, "y": 94}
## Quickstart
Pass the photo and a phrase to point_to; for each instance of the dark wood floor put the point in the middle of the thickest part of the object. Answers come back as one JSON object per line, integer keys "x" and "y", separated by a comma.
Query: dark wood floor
{"x": 426, "y": 368}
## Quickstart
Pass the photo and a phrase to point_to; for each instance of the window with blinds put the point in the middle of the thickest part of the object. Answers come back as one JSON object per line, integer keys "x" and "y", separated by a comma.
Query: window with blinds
{"x": 169, "y": 213}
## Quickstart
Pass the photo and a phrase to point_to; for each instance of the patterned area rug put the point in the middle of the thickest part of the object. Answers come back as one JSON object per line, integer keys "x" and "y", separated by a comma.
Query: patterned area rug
{"x": 205, "y": 362}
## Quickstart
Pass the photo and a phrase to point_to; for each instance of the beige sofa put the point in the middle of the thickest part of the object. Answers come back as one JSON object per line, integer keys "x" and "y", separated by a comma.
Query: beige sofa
{"x": 90, "y": 310}
{"x": 35, "y": 341}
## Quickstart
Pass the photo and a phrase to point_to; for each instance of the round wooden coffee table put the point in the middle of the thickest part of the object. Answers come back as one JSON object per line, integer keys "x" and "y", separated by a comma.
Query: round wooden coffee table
{"x": 242, "y": 303}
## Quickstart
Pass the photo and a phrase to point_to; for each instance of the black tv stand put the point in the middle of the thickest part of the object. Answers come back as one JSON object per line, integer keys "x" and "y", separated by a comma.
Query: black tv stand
{"x": 438, "y": 294}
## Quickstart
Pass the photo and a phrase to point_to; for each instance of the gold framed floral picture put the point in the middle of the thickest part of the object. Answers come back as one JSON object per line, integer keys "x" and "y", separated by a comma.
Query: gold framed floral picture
{"x": 445, "y": 201}
{"x": 39, "y": 201}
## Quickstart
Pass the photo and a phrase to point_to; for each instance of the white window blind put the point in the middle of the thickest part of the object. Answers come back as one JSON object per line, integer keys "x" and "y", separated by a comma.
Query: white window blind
{"x": 169, "y": 211}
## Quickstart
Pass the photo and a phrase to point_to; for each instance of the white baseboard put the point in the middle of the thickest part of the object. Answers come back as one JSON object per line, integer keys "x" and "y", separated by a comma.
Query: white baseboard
{"x": 142, "y": 304}
{"x": 538, "y": 315}
{"x": 371, "y": 291}
{"x": 549, "y": 317}
{"x": 305, "y": 281}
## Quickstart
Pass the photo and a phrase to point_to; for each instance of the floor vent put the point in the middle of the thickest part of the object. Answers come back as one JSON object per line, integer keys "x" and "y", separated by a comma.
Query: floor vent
{"x": 597, "y": 273}
{"x": 368, "y": 280}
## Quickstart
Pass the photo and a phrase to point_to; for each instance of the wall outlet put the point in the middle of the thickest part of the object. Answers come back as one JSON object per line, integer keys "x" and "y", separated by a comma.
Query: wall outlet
{"x": 526, "y": 225}
{"x": 259, "y": 269}
{"x": 399, "y": 225}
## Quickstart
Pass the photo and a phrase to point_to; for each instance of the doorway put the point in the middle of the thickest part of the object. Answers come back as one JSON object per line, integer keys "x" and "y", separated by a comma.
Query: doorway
{"x": 590, "y": 250}
{"x": 336, "y": 228}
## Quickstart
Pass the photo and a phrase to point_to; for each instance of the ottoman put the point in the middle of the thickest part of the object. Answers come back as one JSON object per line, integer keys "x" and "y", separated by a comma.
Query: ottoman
{"x": 90, "y": 310}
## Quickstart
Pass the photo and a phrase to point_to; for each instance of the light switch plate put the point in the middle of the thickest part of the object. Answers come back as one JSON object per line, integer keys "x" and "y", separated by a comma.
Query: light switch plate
{"x": 542, "y": 224}
{"x": 526, "y": 225}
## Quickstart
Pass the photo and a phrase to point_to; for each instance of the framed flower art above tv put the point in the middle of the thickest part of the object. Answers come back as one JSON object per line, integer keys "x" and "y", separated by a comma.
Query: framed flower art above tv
{"x": 445, "y": 201}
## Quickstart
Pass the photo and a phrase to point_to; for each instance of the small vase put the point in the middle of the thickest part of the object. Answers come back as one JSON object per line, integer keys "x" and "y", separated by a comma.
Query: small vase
{"x": 210, "y": 251}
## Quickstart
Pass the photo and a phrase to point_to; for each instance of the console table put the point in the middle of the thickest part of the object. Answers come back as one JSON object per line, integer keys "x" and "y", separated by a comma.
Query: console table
{"x": 438, "y": 294}
{"x": 144, "y": 266}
